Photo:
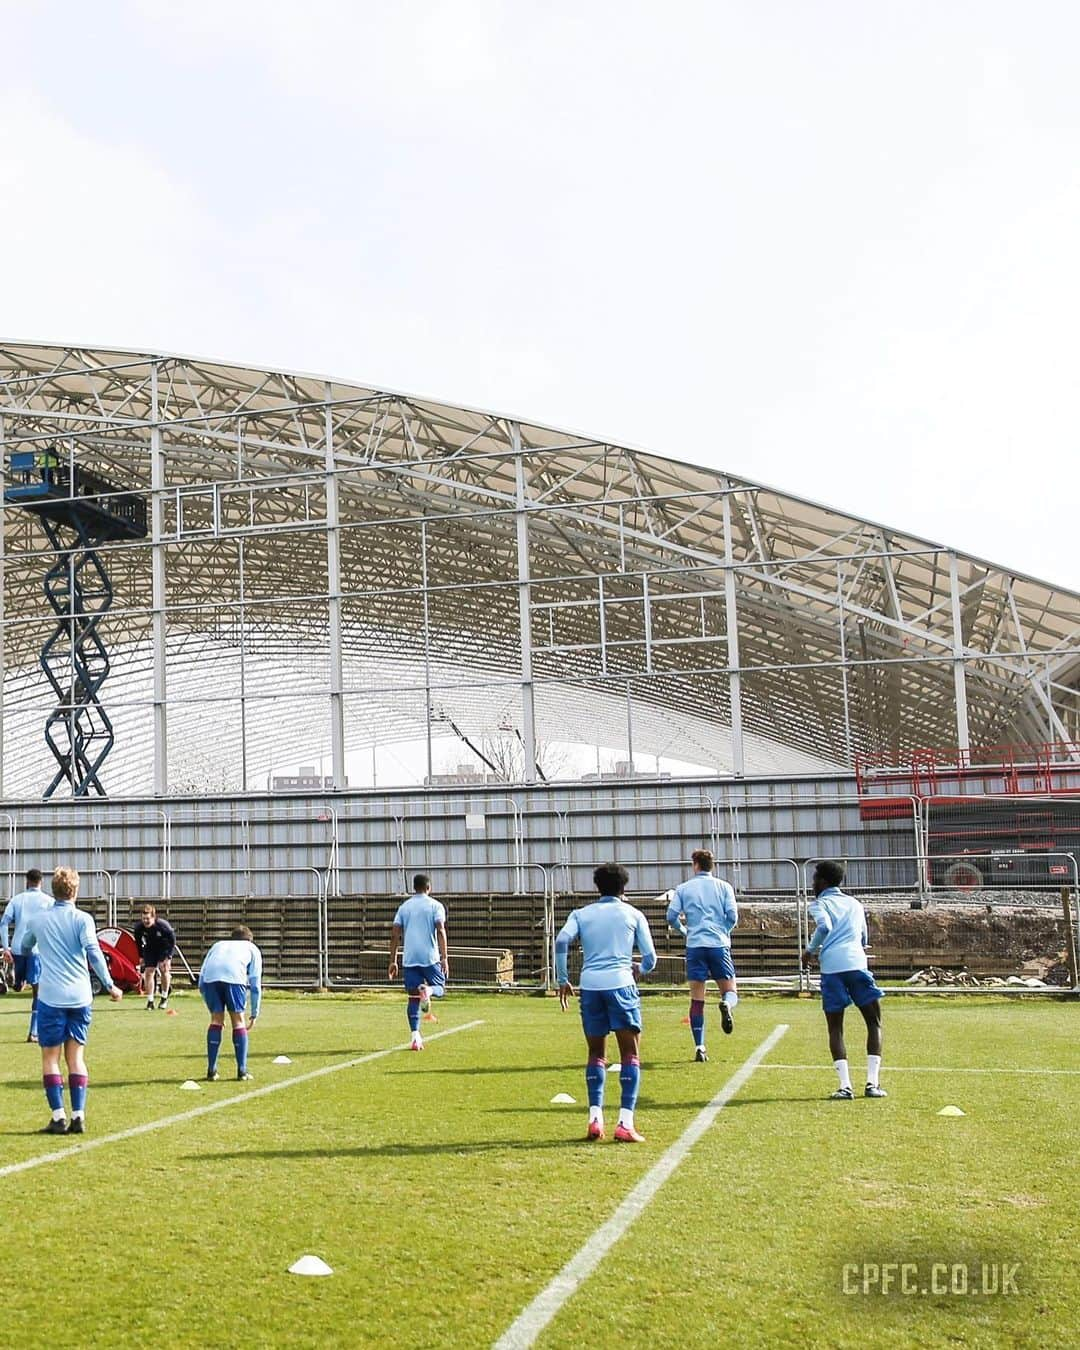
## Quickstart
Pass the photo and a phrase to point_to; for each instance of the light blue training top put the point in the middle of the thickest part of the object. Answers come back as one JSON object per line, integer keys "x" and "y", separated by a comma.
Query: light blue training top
{"x": 20, "y": 910}
{"x": 66, "y": 939}
{"x": 708, "y": 906}
{"x": 608, "y": 929}
{"x": 418, "y": 918}
{"x": 234, "y": 961}
{"x": 841, "y": 936}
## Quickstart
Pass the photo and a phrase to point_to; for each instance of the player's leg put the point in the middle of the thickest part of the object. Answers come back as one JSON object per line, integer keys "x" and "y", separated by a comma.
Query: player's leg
{"x": 723, "y": 969}
{"x": 872, "y": 1017}
{"x": 78, "y": 1079}
{"x": 149, "y": 973}
{"x": 595, "y": 1076}
{"x": 697, "y": 1010}
{"x": 629, "y": 1038}
{"x": 838, "y": 1050}
{"x": 215, "y": 1005}
{"x": 164, "y": 982}
{"x": 50, "y": 1029}
{"x": 32, "y": 1034}
{"x": 416, "y": 990}
{"x": 236, "y": 1004}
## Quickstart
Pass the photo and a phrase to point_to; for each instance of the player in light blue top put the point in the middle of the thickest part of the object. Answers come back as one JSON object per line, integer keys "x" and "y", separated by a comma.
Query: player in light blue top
{"x": 66, "y": 940}
{"x": 839, "y": 941}
{"x": 20, "y": 910}
{"x": 608, "y": 930}
{"x": 703, "y": 909}
{"x": 425, "y": 962}
{"x": 229, "y": 970}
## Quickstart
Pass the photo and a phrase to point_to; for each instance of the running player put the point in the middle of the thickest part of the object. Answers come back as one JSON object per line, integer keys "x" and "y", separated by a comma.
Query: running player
{"x": 156, "y": 942}
{"x": 230, "y": 968}
{"x": 425, "y": 965}
{"x": 608, "y": 929}
{"x": 839, "y": 941}
{"x": 20, "y": 910}
{"x": 66, "y": 941}
{"x": 703, "y": 909}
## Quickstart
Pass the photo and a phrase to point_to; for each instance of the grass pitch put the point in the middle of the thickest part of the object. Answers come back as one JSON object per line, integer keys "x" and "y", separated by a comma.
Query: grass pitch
{"x": 446, "y": 1191}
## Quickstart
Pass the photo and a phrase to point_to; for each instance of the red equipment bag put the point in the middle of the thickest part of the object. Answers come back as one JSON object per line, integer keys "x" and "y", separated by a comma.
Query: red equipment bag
{"x": 121, "y": 956}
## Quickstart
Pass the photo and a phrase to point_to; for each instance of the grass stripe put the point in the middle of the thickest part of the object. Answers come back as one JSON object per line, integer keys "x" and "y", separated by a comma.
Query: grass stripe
{"x": 535, "y": 1317}
{"x": 75, "y": 1150}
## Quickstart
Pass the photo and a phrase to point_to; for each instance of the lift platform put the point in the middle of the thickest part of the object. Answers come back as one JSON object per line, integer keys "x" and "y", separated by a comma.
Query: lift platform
{"x": 79, "y": 511}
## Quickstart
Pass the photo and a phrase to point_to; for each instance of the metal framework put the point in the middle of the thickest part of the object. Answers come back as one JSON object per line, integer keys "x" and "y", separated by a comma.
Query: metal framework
{"x": 330, "y": 566}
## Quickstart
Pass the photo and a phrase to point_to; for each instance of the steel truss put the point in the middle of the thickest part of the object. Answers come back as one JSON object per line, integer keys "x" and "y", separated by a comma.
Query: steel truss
{"x": 330, "y": 566}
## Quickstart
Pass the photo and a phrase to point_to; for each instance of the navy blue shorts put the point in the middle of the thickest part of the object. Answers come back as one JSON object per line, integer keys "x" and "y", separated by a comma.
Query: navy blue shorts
{"x": 414, "y": 976}
{"x": 704, "y": 963}
{"x": 604, "y": 1010}
{"x": 219, "y": 996}
{"x": 57, "y": 1025}
{"x": 844, "y": 987}
{"x": 27, "y": 969}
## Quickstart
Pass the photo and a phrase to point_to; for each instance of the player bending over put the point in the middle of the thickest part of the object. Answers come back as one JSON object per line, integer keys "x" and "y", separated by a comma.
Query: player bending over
{"x": 156, "y": 942}
{"x": 703, "y": 909}
{"x": 230, "y": 968}
{"x": 20, "y": 910}
{"x": 840, "y": 941}
{"x": 608, "y": 929}
{"x": 66, "y": 940}
{"x": 420, "y": 924}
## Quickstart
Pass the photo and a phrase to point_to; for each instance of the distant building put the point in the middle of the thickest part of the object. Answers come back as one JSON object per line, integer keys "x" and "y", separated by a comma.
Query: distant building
{"x": 623, "y": 769}
{"x": 465, "y": 775}
{"x": 307, "y": 779}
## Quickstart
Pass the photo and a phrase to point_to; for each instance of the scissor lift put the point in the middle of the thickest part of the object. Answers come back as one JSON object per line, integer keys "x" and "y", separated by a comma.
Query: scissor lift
{"x": 79, "y": 511}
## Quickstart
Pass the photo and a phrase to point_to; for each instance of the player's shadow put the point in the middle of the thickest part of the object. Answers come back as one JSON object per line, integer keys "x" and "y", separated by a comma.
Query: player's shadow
{"x": 395, "y": 1150}
{"x": 98, "y": 1084}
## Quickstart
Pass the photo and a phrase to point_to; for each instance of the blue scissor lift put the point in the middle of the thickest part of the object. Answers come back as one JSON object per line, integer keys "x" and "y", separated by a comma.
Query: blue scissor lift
{"x": 79, "y": 511}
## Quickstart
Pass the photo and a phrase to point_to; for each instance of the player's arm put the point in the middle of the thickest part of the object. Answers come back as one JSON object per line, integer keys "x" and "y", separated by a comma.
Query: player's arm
{"x": 96, "y": 960}
{"x": 731, "y": 908}
{"x": 567, "y": 933}
{"x": 7, "y": 920}
{"x": 170, "y": 939}
{"x": 444, "y": 956}
{"x": 645, "y": 946}
{"x": 395, "y": 944}
{"x": 675, "y": 916}
{"x": 29, "y": 942}
{"x": 821, "y": 932}
{"x": 254, "y": 974}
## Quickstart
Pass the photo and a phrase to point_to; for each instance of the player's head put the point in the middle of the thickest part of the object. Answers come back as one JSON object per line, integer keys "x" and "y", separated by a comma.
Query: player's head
{"x": 702, "y": 859}
{"x": 65, "y": 883}
{"x": 611, "y": 878}
{"x": 827, "y": 874}
{"x": 33, "y": 877}
{"x": 421, "y": 883}
{"x": 148, "y": 913}
{"x": 241, "y": 934}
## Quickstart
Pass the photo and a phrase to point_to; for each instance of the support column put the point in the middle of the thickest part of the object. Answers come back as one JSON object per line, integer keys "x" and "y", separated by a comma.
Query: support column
{"x": 528, "y": 708}
{"x": 157, "y": 588}
{"x": 963, "y": 739}
{"x": 731, "y": 625}
{"x": 3, "y": 580}
{"x": 333, "y": 582}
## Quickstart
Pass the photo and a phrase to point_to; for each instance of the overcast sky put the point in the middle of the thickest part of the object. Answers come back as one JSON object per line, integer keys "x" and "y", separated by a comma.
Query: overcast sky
{"x": 833, "y": 247}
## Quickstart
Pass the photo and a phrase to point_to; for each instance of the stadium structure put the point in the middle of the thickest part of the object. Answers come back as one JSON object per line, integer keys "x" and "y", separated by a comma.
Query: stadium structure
{"x": 210, "y": 570}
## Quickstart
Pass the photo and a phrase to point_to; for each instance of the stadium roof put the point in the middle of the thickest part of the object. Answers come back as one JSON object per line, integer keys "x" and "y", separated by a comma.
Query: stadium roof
{"x": 451, "y": 523}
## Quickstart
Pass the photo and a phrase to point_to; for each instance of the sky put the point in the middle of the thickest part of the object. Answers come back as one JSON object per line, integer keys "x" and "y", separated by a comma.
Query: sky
{"x": 825, "y": 245}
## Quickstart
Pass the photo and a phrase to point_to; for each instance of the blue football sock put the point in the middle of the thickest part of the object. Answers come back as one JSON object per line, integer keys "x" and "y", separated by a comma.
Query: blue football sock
{"x": 412, "y": 1012}
{"x": 595, "y": 1074}
{"x": 697, "y": 1020}
{"x": 240, "y": 1048}
{"x": 213, "y": 1047}
{"x": 33, "y": 1017}
{"x": 630, "y": 1082}
{"x": 54, "y": 1090}
{"x": 77, "y": 1085}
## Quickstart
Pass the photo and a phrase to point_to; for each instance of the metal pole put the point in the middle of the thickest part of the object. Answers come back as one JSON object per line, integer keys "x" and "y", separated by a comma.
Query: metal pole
{"x": 731, "y": 625}
{"x": 427, "y": 648}
{"x": 528, "y": 709}
{"x": 243, "y": 668}
{"x": 333, "y": 571}
{"x": 3, "y": 577}
{"x": 959, "y": 681}
{"x": 157, "y": 585}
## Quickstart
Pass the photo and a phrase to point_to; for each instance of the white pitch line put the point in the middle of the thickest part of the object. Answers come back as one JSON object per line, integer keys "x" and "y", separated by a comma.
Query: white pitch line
{"x": 77, "y": 1150}
{"x": 922, "y": 1068}
{"x": 524, "y": 1330}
